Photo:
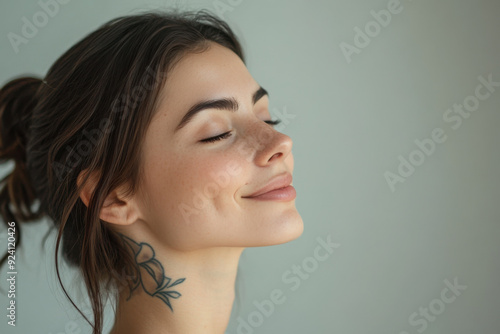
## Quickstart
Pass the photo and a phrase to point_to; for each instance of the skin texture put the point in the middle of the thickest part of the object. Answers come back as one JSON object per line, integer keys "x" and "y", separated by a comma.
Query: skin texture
{"x": 190, "y": 209}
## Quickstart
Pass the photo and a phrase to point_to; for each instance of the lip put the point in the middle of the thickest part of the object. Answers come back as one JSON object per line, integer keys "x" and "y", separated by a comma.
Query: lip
{"x": 278, "y": 188}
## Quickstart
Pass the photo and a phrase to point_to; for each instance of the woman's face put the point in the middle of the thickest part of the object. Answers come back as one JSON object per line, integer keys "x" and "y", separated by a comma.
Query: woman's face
{"x": 193, "y": 194}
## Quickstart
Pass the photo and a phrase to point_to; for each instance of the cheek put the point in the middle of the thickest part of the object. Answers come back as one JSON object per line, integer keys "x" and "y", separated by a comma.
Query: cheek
{"x": 191, "y": 196}
{"x": 210, "y": 183}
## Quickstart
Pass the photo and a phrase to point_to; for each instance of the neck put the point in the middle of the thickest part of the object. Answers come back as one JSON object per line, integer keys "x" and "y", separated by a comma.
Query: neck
{"x": 201, "y": 303}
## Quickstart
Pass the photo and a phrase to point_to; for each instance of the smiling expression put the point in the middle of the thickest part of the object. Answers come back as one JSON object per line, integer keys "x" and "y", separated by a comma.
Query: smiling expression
{"x": 209, "y": 145}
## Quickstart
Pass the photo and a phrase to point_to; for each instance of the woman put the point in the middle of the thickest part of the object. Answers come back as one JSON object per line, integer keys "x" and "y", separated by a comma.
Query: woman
{"x": 151, "y": 147}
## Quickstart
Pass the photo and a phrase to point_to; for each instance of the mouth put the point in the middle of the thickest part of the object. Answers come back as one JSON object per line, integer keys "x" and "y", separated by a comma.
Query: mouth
{"x": 279, "y": 188}
{"x": 287, "y": 193}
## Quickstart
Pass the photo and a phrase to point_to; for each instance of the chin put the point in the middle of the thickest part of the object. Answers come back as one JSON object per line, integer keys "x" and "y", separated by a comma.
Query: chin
{"x": 285, "y": 228}
{"x": 291, "y": 228}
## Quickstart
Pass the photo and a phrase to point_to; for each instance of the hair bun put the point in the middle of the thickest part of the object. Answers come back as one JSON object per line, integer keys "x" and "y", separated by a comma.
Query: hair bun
{"x": 17, "y": 101}
{"x": 18, "y": 98}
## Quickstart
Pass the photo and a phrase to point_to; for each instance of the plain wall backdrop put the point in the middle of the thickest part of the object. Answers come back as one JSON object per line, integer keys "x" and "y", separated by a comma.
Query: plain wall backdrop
{"x": 393, "y": 107}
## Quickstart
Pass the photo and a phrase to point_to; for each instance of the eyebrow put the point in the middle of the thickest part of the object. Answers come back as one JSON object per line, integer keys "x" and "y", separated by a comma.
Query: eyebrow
{"x": 229, "y": 104}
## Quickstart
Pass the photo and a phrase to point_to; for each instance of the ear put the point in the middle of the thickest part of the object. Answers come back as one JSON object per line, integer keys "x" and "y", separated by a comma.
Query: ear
{"x": 116, "y": 208}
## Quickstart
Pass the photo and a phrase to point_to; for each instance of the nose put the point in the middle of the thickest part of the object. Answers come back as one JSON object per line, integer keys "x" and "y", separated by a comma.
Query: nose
{"x": 271, "y": 145}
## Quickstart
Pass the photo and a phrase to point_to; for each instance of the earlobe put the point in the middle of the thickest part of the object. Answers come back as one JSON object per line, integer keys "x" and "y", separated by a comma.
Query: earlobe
{"x": 116, "y": 209}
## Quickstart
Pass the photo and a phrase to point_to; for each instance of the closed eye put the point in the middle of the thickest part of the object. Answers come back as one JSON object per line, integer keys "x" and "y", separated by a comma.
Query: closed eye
{"x": 219, "y": 137}
{"x": 228, "y": 134}
{"x": 273, "y": 123}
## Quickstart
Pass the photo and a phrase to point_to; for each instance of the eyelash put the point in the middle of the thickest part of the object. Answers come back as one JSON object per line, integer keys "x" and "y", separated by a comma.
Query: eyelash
{"x": 228, "y": 134}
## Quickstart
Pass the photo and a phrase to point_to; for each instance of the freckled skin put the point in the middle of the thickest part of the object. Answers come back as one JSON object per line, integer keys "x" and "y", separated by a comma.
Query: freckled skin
{"x": 182, "y": 172}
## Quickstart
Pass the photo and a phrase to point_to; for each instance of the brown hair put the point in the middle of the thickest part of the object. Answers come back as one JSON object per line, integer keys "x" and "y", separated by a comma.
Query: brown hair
{"x": 90, "y": 114}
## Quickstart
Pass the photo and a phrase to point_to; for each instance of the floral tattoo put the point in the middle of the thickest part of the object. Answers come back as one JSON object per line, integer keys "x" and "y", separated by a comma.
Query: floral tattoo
{"x": 150, "y": 273}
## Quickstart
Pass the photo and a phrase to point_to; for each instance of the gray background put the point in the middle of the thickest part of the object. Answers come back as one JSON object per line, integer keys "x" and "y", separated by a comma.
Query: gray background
{"x": 350, "y": 122}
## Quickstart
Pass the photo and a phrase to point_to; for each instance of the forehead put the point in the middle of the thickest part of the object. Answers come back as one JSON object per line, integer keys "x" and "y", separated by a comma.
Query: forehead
{"x": 215, "y": 73}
